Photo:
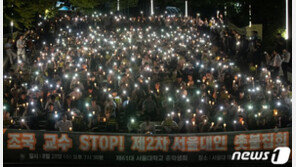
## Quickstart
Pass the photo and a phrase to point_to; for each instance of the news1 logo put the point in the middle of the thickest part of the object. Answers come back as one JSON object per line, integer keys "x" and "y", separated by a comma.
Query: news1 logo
{"x": 278, "y": 156}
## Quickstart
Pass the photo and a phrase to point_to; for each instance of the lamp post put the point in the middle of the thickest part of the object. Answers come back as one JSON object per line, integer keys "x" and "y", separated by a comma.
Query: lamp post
{"x": 225, "y": 10}
{"x": 287, "y": 20}
{"x": 250, "y": 15}
{"x": 118, "y": 5}
{"x": 11, "y": 25}
{"x": 186, "y": 8}
{"x": 152, "y": 8}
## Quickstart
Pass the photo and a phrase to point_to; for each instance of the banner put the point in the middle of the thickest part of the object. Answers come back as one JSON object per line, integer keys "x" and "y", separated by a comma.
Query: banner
{"x": 21, "y": 146}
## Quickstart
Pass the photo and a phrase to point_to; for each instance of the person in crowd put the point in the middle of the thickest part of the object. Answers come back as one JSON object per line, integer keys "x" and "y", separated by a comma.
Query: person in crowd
{"x": 147, "y": 127}
{"x": 51, "y": 117}
{"x": 204, "y": 125}
{"x": 149, "y": 107}
{"x": 112, "y": 74}
{"x": 286, "y": 56}
{"x": 276, "y": 63}
{"x": 56, "y": 104}
{"x": 7, "y": 120}
{"x": 21, "y": 52}
{"x": 9, "y": 51}
{"x": 64, "y": 125}
{"x": 169, "y": 125}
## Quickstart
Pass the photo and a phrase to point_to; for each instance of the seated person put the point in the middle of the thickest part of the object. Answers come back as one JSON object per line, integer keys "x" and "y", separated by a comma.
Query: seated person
{"x": 147, "y": 127}
{"x": 64, "y": 125}
{"x": 169, "y": 125}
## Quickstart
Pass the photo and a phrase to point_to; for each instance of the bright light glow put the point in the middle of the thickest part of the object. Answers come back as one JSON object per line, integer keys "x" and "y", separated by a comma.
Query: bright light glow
{"x": 250, "y": 15}
{"x": 197, "y": 92}
{"x": 287, "y": 20}
{"x": 186, "y": 8}
{"x": 118, "y": 5}
{"x": 152, "y": 8}
{"x": 265, "y": 107}
{"x": 225, "y": 10}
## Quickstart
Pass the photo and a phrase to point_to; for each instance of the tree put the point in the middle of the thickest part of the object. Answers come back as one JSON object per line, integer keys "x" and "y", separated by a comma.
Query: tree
{"x": 24, "y": 13}
{"x": 124, "y": 4}
{"x": 85, "y": 5}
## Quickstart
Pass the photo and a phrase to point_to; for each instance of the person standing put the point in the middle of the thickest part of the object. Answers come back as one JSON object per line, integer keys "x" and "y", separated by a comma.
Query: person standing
{"x": 285, "y": 64}
{"x": 21, "y": 53}
{"x": 276, "y": 63}
{"x": 9, "y": 52}
{"x": 64, "y": 125}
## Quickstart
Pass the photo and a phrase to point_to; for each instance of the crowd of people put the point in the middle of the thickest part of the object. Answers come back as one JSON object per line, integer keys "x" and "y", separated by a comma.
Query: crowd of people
{"x": 157, "y": 74}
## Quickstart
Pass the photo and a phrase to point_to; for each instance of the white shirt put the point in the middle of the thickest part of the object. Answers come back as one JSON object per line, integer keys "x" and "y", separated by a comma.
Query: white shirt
{"x": 20, "y": 44}
{"x": 276, "y": 61}
{"x": 286, "y": 57}
{"x": 63, "y": 125}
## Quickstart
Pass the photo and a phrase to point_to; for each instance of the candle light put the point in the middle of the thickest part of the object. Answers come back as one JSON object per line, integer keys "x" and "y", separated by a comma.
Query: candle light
{"x": 275, "y": 112}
